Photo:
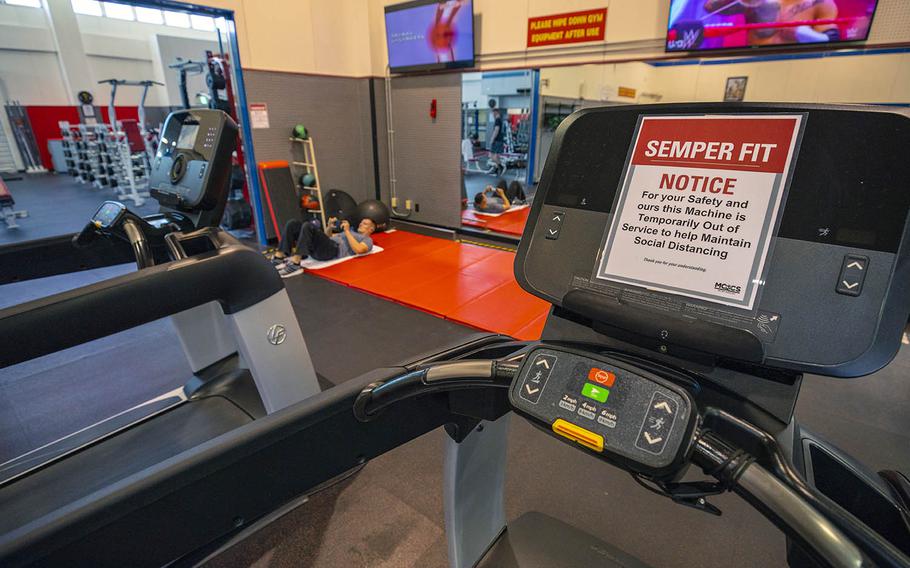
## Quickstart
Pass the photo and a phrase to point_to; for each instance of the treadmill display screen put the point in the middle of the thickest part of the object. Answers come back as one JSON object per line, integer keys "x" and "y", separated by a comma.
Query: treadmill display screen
{"x": 108, "y": 213}
{"x": 187, "y": 138}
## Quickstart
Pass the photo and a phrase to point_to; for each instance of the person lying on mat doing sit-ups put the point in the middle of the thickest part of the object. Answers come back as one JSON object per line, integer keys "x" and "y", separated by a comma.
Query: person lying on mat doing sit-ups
{"x": 500, "y": 198}
{"x": 317, "y": 243}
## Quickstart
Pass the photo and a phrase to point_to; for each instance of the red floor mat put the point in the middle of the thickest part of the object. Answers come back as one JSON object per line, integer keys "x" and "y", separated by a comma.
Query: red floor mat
{"x": 508, "y": 223}
{"x": 469, "y": 284}
{"x": 507, "y": 309}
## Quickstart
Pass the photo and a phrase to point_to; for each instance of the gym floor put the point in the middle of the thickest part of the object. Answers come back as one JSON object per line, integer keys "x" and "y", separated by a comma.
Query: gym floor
{"x": 390, "y": 512}
{"x": 57, "y": 204}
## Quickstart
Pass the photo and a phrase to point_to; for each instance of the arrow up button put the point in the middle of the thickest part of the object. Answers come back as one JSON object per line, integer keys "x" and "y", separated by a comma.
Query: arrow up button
{"x": 536, "y": 376}
{"x": 852, "y": 275}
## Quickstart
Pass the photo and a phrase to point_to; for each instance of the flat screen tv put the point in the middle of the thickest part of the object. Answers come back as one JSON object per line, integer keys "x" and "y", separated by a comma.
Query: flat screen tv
{"x": 430, "y": 34}
{"x": 700, "y": 25}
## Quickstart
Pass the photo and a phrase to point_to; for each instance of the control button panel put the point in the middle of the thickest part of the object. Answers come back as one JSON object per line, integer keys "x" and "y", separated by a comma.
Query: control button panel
{"x": 607, "y": 407}
{"x": 852, "y": 275}
{"x": 555, "y": 225}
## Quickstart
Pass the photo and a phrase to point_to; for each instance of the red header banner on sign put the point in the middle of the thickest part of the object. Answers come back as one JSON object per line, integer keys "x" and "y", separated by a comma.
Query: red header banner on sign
{"x": 574, "y": 27}
{"x": 746, "y": 144}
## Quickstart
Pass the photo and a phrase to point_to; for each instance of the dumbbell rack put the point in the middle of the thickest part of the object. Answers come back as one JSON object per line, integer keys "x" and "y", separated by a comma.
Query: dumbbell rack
{"x": 100, "y": 155}
{"x": 70, "y": 152}
{"x": 97, "y": 154}
{"x": 129, "y": 172}
{"x": 307, "y": 166}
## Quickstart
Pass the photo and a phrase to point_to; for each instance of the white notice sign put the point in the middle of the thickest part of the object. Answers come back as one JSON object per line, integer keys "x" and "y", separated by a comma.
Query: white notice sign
{"x": 699, "y": 201}
{"x": 259, "y": 115}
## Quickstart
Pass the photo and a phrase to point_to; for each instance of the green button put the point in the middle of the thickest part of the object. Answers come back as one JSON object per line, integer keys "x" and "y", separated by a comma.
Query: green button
{"x": 595, "y": 393}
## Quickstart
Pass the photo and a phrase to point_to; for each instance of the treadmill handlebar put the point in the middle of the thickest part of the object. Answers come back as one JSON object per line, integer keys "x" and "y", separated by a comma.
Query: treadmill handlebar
{"x": 832, "y": 535}
{"x": 235, "y": 276}
{"x": 779, "y": 503}
{"x": 442, "y": 377}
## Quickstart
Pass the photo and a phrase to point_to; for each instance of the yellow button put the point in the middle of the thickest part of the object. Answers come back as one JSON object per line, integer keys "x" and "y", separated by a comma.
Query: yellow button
{"x": 578, "y": 434}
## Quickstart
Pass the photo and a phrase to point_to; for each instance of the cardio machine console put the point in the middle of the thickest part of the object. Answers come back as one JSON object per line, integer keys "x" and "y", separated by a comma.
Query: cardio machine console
{"x": 636, "y": 420}
{"x": 192, "y": 167}
{"x": 769, "y": 234}
{"x": 109, "y": 214}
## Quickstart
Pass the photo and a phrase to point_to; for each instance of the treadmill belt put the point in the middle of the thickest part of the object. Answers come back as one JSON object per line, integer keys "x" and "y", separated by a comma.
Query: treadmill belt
{"x": 103, "y": 464}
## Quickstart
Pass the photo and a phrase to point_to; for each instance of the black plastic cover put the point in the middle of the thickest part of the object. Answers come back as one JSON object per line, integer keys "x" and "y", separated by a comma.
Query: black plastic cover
{"x": 848, "y": 195}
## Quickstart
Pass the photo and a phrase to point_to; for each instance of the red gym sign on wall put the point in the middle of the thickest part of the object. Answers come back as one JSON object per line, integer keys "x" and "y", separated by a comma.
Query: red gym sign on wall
{"x": 574, "y": 27}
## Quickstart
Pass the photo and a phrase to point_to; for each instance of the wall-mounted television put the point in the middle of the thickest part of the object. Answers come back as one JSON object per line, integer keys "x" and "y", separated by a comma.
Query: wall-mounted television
{"x": 700, "y": 25}
{"x": 430, "y": 34}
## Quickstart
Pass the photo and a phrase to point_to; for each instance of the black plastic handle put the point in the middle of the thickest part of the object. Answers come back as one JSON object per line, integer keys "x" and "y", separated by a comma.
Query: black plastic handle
{"x": 235, "y": 276}
{"x": 86, "y": 236}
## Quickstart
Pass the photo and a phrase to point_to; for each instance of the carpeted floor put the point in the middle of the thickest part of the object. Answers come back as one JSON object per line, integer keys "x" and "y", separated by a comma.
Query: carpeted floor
{"x": 58, "y": 205}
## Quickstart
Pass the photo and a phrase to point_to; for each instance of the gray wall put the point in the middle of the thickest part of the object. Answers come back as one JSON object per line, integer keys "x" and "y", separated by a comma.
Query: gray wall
{"x": 427, "y": 151}
{"x": 336, "y": 112}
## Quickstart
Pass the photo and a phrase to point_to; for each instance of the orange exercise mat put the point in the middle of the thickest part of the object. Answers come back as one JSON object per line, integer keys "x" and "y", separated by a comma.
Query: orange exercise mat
{"x": 468, "y": 284}
{"x": 510, "y": 223}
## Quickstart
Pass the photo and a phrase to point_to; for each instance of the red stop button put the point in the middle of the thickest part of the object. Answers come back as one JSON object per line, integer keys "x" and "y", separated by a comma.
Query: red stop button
{"x": 601, "y": 377}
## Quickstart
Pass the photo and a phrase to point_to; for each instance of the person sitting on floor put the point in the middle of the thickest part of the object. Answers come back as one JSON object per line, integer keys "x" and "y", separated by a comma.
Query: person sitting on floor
{"x": 313, "y": 242}
{"x": 502, "y": 197}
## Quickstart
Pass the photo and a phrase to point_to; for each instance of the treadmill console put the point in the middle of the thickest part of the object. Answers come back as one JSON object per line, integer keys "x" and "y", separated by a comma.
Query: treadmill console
{"x": 109, "y": 214}
{"x": 192, "y": 167}
{"x": 769, "y": 234}
{"x": 635, "y": 420}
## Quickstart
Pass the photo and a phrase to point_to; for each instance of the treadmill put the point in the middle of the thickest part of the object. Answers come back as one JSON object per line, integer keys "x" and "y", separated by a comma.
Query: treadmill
{"x": 228, "y": 306}
{"x": 650, "y": 373}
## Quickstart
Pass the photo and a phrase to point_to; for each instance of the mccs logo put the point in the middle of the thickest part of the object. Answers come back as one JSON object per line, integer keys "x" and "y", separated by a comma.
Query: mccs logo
{"x": 728, "y": 288}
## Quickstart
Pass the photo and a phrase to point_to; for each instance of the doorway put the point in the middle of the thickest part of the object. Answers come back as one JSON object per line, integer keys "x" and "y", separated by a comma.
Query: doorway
{"x": 499, "y": 136}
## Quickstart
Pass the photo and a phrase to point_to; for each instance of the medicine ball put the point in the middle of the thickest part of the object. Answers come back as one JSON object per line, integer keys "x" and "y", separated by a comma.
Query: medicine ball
{"x": 340, "y": 205}
{"x": 376, "y": 211}
{"x": 308, "y": 180}
{"x": 299, "y": 132}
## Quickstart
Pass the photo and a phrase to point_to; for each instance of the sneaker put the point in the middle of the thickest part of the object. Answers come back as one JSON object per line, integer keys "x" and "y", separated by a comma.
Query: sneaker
{"x": 290, "y": 269}
{"x": 277, "y": 261}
